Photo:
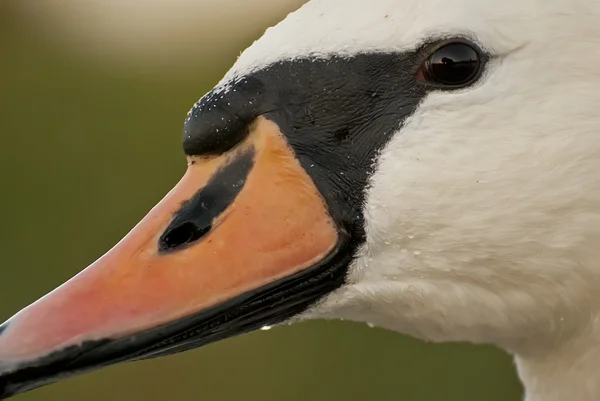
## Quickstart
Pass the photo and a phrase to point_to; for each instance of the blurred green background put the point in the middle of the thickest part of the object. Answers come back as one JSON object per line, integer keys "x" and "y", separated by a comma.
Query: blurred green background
{"x": 91, "y": 109}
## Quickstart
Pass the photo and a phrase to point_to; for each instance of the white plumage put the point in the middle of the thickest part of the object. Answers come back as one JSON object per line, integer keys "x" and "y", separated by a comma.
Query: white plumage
{"x": 483, "y": 215}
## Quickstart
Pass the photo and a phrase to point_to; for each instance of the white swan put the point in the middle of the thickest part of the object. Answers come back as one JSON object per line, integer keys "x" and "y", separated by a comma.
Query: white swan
{"x": 428, "y": 166}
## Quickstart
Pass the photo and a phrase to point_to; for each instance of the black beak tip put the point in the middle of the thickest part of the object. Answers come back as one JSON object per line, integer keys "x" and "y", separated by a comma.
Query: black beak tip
{"x": 5, "y": 391}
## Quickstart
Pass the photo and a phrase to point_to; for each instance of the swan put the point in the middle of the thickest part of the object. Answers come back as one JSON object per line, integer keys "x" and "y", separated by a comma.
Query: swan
{"x": 430, "y": 167}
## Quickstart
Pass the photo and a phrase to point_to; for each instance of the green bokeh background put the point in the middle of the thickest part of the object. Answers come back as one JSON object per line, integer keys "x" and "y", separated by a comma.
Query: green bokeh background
{"x": 87, "y": 148}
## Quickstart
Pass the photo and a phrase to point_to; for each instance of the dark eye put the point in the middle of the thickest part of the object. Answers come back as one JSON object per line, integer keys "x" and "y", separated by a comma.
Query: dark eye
{"x": 452, "y": 65}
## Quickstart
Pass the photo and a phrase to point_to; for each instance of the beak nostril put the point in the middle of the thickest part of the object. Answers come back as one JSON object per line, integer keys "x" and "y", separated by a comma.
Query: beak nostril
{"x": 182, "y": 234}
{"x": 3, "y": 327}
{"x": 197, "y": 214}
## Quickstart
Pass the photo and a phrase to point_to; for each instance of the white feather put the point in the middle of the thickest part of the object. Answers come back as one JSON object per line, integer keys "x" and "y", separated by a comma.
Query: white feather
{"x": 483, "y": 215}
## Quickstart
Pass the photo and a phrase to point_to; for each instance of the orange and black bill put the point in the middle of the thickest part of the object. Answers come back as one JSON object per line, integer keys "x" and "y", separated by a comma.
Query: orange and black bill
{"x": 244, "y": 240}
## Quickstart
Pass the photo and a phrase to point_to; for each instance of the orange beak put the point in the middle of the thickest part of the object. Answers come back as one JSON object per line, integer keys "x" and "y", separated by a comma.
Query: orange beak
{"x": 231, "y": 248}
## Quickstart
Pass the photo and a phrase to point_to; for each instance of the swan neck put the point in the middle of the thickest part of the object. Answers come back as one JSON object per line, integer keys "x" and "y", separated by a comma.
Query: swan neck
{"x": 570, "y": 371}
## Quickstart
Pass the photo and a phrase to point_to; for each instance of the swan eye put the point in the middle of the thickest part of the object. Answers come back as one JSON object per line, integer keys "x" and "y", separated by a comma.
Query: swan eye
{"x": 452, "y": 65}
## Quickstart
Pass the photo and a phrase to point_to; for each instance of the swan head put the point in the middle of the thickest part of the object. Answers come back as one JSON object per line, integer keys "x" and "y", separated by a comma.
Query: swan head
{"x": 481, "y": 210}
{"x": 427, "y": 166}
